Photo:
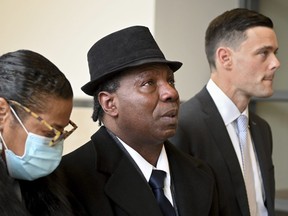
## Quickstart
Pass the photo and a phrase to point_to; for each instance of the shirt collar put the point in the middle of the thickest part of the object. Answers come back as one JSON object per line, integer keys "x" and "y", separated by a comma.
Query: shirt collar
{"x": 227, "y": 109}
{"x": 146, "y": 167}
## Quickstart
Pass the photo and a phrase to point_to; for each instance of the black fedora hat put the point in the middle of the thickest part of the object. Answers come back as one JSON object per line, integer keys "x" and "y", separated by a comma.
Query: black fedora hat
{"x": 129, "y": 47}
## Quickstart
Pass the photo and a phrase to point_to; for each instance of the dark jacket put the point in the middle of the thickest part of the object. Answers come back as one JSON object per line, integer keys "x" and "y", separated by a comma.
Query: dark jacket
{"x": 49, "y": 196}
{"x": 201, "y": 132}
{"x": 10, "y": 204}
{"x": 107, "y": 181}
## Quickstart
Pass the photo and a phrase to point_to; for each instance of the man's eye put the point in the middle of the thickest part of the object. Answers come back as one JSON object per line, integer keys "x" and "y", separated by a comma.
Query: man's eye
{"x": 172, "y": 82}
{"x": 149, "y": 83}
{"x": 264, "y": 53}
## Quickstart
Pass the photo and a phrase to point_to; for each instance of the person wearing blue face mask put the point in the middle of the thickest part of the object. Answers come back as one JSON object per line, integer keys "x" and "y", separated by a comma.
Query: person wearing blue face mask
{"x": 36, "y": 101}
{"x": 39, "y": 158}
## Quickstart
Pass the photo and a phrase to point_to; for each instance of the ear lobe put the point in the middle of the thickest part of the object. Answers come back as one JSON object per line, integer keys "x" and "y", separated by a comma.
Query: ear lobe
{"x": 4, "y": 111}
{"x": 107, "y": 102}
{"x": 224, "y": 57}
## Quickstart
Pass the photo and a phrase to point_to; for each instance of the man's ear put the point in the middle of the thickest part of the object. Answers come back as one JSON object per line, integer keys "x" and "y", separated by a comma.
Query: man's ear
{"x": 224, "y": 57}
{"x": 107, "y": 101}
{"x": 4, "y": 112}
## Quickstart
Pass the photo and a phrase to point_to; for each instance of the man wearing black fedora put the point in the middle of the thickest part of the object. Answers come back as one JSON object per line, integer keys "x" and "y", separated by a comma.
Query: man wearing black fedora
{"x": 119, "y": 171}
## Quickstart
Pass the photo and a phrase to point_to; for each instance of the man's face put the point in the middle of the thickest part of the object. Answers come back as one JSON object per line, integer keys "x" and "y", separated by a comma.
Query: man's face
{"x": 147, "y": 104}
{"x": 255, "y": 63}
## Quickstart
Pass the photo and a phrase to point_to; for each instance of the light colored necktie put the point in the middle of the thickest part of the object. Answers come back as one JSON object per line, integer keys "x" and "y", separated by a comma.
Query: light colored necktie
{"x": 242, "y": 124}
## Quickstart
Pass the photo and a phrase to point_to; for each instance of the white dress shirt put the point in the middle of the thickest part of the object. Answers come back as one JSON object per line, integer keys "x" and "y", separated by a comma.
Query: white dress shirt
{"x": 229, "y": 112}
{"x": 146, "y": 168}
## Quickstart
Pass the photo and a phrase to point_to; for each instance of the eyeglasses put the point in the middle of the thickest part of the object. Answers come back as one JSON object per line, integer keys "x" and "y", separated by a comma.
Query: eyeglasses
{"x": 58, "y": 134}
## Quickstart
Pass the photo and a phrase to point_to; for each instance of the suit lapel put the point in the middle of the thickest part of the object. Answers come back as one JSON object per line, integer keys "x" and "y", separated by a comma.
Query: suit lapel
{"x": 126, "y": 186}
{"x": 194, "y": 191}
{"x": 128, "y": 189}
{"x": 222, "y": 139}
{"x": 259, "y": 144}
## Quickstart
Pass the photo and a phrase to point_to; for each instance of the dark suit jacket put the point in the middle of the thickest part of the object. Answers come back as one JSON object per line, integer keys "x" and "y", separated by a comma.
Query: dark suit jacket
{"x": 49, "y": 196}
{"x": 201, "y": 132}
{"x": 9, "y": 200}
{"x": 107, "y": 182}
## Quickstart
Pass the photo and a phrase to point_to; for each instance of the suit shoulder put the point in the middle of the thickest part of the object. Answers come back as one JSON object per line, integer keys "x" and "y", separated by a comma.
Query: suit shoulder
{"x": 89, "y": 148}
{"x": 189, "y": 162}
{"x": 193, "y": 101}
{"x": 80, "y": 152}
{"x": 197, "y": 102}
{"x": 79, "y": 160}
{"x": 254, "y": 117}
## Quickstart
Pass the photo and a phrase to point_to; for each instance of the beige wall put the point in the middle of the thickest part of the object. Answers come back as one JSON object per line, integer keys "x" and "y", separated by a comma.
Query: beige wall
{"x": 64, "y": 30}
{"x": 86, "y": 128}
{"x": 180, "y": 28}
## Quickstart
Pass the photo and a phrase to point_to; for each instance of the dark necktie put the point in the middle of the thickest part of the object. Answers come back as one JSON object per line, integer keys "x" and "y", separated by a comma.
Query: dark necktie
{"x": 156, "y": 182}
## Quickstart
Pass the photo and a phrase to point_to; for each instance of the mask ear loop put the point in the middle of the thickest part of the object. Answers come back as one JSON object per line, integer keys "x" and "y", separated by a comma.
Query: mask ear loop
{"x": 3, "y": 142}
{"x": 19, "y": 120}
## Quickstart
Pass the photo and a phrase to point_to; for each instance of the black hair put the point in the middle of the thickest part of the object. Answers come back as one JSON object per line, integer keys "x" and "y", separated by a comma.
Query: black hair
{"x": 29, "y": 78}
{"x": 230, "y": 28}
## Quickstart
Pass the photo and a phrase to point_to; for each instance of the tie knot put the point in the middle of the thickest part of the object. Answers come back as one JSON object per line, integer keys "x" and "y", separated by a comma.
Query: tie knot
{"x": 157, "y": 179}
{"x": 242, "y": 123}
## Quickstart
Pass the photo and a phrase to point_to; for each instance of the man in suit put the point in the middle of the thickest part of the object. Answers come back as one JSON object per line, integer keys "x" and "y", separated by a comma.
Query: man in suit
{"x": 135, "y": 98}
{"x": 241, "y": 48}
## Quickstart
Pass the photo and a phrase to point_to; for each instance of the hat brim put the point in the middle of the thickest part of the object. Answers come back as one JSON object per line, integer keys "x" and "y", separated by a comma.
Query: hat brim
{"x": 90, "y": 87}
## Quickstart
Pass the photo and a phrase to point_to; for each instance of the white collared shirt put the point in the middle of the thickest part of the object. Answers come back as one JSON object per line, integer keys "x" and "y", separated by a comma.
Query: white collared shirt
{"x": 229, "y": 112}
{"x": 146, "y": 168}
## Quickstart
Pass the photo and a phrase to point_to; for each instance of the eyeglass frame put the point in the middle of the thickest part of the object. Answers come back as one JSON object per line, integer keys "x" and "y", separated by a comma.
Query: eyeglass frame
{"x": 58, "y": 134}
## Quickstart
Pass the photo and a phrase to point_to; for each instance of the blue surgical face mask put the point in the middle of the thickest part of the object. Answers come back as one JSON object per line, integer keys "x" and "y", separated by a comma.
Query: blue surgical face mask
{"x": 38, "y": 160}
